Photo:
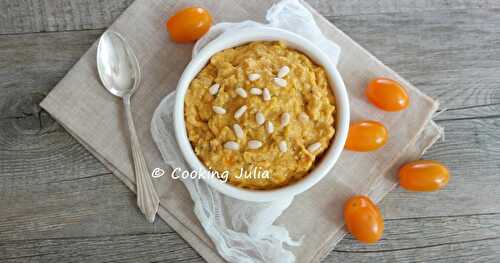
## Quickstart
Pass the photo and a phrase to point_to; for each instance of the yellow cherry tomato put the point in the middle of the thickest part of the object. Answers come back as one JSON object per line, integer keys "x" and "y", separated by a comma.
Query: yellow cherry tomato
{"x": 363, "y": 219}
{"x": 189, "y": 24}
{"x": 423, "y": 176}
{"x": 366, "y": 136}
{"x": 387, "y": 94}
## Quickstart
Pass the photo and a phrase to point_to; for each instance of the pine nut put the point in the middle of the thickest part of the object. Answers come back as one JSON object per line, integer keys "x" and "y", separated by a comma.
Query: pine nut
{"x": 238, "y": 131}
{"x": 255, "y": 91}
{"x": 283, "y": 146}
{"x": 285, "y": 119}
{"x": 280, "y": 82}
{"x": 241, "y": 92}
{"x": 283, "y": 72}
{"x": 266, "y": 94}
{"x": 313, "y": 147}
{"x": 232, "y": 145}
{"x": 240, "y": 111}
{"x": 254, "y": 144}
{"x": 260, "y": 118}
{"x": 269, "y": 127}
{"x": 219, "y": 110}
{"x": 214, "y": 89}
{"x": 253, "y": 76}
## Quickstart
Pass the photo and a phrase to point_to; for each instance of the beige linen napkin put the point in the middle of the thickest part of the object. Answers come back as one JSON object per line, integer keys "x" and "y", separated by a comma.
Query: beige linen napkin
{"x": 95, "y": 118}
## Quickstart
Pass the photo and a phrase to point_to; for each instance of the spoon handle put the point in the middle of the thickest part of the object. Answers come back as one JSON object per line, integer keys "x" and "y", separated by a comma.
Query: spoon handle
{"x": 147, "y": 198}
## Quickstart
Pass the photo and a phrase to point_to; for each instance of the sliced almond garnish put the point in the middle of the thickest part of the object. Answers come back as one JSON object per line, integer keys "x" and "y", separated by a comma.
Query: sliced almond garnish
{"x": 232, "y": 145}
{"x": 254, "y": 144}
{"x": 214, "y": 89}
{"x": 283, "y": 72}
{"x": 285, "y": 119}
{"x": 240, "y": 111}
{"x": 253, "y": 76}
{"x": 283, "y": 146}
{"x": 260, "y": 118}
{"x": 269, "y": 127}
{"x": 240, "y": 91}
{"x": 266, "y": 94}
{"x": 238, "y": 131}
{"x": 280, "y": 82}
{"x": 255, "y": 91}
{"x": 219, "y": 110}
{"x": 313, "y": 147}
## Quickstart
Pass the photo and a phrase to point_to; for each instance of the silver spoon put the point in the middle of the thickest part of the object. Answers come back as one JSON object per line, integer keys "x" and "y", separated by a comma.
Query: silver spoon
{"x": 120, "y": 74}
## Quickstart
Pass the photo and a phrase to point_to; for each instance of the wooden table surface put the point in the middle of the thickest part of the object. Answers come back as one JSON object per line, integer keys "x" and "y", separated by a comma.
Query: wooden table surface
{"x": 59, "y": 204}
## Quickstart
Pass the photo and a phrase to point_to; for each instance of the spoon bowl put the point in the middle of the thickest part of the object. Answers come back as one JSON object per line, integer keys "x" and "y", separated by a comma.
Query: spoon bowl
{"x": 117, "y": 65}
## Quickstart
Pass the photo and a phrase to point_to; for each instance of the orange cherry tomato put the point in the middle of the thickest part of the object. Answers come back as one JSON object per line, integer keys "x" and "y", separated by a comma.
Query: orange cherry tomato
{"x": 363, "y": 219}
{"x": 189, "y": 24}
{"x": 387, "y": 94}
{"x": 366, "y": 136}
{"x": 423, "y": 176}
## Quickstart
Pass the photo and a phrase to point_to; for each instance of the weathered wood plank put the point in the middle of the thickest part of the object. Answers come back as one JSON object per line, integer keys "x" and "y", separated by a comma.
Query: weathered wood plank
{"x": 470, "y": 112}
{"x": 159, "y": 247}
{"x": 360, "y": 7}
{"x": 471, "y": 150}
{"x": 21, "y": 136}
{"x": 461, "y": 69}
{"x": 472, "y": 238}
{"x": 32, "y": 64}
{"x": 41, "y": 206}
{"x": 45, "y": 212}
{"x": 482, "y": 250}
{"x": 66, "y": 201}
{"x": 439, "y": 239}
{"x": 62, "y": 205}
{"x": 28, "y": 16}
{"x": 34, "y": 162}
{"x": 411, "y": 233}
{"x": 450, "y": 55}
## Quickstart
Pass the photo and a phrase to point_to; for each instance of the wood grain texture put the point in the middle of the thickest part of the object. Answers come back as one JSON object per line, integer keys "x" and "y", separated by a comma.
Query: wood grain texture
{"x": 160, "y": 247}
{"x": 32, "y": 64}
{"x": 470, "y": 112}
{"x": 434, "y": 50}
{"x": 364, "y": 7}
{"x": 452, "y": 55}
{"x": 457, "y": 239}
{"x": 29, "y": 16}
{"x": 58, "y": 203}
{"x": 483, "y": 250}
{"x": 67, "y": 201}
{"x": 32, "y": 156}
{"x": 472, "y": 238}
{"x": 471, "y": 150}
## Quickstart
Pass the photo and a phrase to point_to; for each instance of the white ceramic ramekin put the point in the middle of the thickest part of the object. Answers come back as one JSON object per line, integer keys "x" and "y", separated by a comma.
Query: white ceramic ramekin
{"x": 296, "y": 42}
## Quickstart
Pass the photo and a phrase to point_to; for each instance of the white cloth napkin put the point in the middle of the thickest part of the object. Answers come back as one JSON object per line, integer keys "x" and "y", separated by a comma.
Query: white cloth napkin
{"x": 241, "y": 231}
